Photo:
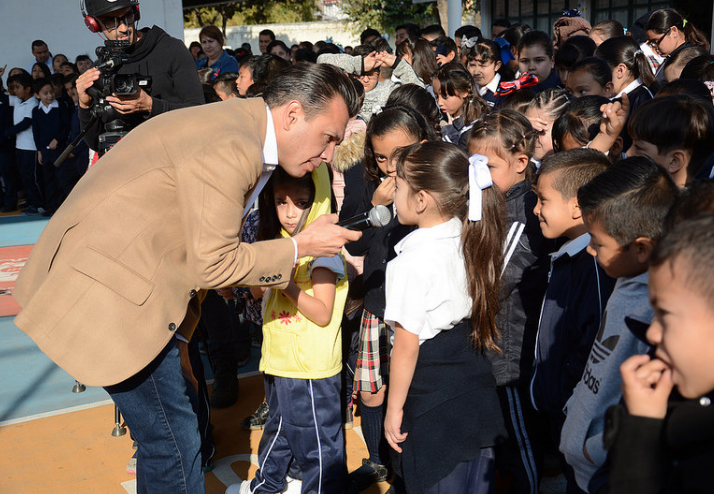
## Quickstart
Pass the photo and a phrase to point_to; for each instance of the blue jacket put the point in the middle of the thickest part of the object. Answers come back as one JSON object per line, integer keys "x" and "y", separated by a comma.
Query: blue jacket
{"x": 574, "y": 302}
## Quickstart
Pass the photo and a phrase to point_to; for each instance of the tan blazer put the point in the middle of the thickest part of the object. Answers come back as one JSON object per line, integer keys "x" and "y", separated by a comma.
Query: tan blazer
{"x": 122, "y": 264}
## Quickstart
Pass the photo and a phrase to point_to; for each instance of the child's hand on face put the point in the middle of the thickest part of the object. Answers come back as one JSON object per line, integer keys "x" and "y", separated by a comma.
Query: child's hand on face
{"x": 393, "y": 428}
{"x": 646, "y": 386}
{"x": 538, "y": 124}
{"x": 53, "y": 144}
{"x": 614, "y": 116}
{"x": 384, "y": 194}
{"x": 386, "y": 59}
{"x": 371, "y": 62}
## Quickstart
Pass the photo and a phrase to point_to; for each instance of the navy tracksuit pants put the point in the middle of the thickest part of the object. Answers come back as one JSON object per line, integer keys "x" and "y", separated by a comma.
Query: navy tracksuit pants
{"x": 305, "y": 422}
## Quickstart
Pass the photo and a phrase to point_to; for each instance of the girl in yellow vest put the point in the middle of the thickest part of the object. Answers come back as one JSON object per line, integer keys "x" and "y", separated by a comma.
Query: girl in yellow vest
{"x": 301, "y": 352}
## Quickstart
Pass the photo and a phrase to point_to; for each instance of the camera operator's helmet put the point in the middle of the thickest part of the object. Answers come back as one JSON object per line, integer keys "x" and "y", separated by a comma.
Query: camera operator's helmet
{"x": 93, "y": 9}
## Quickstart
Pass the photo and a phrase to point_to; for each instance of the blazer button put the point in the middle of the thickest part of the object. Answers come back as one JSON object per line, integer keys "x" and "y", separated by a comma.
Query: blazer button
{"x": 172, "y": 327}
{"x": 274, "y": 278}
{"x": 261, "y": 279}
{"x": 280, "y": 276}
{"x": 192, "y": 293}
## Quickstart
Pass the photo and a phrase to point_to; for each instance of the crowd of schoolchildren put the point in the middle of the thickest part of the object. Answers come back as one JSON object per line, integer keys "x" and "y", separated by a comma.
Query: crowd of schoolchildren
{"x": 543, "y": 288}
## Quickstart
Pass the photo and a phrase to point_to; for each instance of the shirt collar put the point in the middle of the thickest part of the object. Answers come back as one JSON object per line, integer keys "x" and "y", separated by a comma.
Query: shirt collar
{"x": 491, "y": 86}
{"x": 572, "y": 247}
{"x": 47, "y": 109}
{"x": 270, "y": 148}
{"x": 630, "y": 87}
{"x": 448, "y": 229}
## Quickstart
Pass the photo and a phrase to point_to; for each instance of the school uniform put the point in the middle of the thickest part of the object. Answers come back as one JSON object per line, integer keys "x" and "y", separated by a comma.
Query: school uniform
{"x": 659, "y": 75}
{"x": 26, "y": 151}
{"x": 578, "y": 290}
{"x": 457, "y": 131}
{"x": 8, "y": 168}
{"x": 451, "y": 429}
{"x": 488, "y": 92}
{"x": 552, "y": 81}
{"x": 51, "y": 123}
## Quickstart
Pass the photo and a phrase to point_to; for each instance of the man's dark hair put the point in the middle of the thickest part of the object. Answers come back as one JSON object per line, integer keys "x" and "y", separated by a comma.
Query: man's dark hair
{"x": 38, "y": 84}
{"x": 501, "y": 23}
{"x": 267, "y": 32}
{"x": 23, "y": 79}
{"x": 433, "y": 30}
{"x": 573, "y": 169}
{"x": 412, "y": 29}
{"x": 81, "y": 58}
{"x": 368, "y": 33}
{"x": 314, "y": 86}
{"x": 692, "y": 242}
{"x": 37, "y": 43}
{"x": 630, "y": 199}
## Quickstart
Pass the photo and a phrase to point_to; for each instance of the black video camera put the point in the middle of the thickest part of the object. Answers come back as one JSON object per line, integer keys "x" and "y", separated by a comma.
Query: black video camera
{"x": 111, "y": 57}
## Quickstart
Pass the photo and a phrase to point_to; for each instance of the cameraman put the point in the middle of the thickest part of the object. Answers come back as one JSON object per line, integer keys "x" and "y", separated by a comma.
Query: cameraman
{"x": 152, "y": 53}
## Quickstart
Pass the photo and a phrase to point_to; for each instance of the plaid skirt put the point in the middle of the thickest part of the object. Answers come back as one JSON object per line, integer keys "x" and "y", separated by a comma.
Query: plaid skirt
{"x": 372, "y": 368}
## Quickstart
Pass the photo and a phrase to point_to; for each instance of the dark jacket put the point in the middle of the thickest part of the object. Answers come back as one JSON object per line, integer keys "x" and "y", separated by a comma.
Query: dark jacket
{"x": 49, "y": 126}
{"x": 377, "y": 244}
{"x": 7, "y": 142}
{"x": 574, "y": 302}
{"x": 673, "y": 455}
{"x": 174, "y": 79}
{"x": 523, "y": 285}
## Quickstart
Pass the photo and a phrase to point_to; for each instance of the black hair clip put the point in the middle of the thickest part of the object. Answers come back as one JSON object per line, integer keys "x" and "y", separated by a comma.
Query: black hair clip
{"x": 571, "y": 13}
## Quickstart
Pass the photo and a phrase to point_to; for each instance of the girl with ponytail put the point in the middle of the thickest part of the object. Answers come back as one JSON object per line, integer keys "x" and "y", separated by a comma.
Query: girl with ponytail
{"x": 668, "y": 32}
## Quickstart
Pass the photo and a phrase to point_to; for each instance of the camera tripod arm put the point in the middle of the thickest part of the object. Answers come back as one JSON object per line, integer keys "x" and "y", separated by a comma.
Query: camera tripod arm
{"x": 68, "y": 150}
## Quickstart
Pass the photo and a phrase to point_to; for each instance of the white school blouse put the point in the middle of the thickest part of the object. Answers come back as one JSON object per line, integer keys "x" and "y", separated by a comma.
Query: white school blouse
{"x": 426, "y": 286}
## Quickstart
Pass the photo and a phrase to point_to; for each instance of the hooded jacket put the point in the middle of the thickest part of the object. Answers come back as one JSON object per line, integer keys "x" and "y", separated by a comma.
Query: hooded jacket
{"x": 174, "y": 79}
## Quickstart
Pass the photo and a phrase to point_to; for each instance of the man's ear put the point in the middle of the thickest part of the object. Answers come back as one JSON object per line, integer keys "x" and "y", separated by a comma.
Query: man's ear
{"x": 643, "y": 248}
{"x": 292, "y": 113}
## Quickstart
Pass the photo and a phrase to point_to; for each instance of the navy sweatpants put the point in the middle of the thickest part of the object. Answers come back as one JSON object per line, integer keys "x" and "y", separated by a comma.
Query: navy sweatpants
{"x": 305, "y": 422}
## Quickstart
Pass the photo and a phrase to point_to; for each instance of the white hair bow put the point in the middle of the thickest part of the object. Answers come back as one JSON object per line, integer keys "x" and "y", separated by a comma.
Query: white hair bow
{"x": 470, "y": 42}
{"x": 479, "y": 179}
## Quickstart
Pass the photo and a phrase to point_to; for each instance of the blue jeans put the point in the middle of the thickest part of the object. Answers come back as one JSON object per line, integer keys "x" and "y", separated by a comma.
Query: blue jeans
{"x": 157, "y": 406}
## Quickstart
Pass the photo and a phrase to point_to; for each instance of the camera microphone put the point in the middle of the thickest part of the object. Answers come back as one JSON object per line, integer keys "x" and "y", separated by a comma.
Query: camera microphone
{"x": 378, "y": 216}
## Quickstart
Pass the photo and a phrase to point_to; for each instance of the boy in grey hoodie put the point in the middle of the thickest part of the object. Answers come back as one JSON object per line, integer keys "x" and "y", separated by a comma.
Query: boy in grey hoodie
{"x": 624, "y": 209}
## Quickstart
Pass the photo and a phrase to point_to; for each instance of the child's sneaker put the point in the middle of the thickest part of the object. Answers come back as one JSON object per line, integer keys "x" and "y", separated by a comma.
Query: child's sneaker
{"x": 368, "y": 474}
{"x": 256, "y": 422}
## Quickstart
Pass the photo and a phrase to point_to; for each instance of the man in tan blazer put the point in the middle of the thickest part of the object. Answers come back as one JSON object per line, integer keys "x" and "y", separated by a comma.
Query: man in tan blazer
{"x": 112, "y": 289}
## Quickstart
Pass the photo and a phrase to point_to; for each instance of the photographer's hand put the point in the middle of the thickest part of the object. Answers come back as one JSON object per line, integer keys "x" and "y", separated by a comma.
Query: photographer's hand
{"x": 140, "y": 102}
{"x": 84, "y": 82}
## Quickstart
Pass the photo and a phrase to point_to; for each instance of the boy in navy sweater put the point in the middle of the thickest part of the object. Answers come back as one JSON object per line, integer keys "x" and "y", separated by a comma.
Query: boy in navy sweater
{"x": 577, "y": 291}
{"x": 50, "y": 126}
{"x": 624, "y": 210}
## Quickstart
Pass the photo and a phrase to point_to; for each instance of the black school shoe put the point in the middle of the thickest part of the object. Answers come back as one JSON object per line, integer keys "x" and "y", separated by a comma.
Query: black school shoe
{"x": 225, "y": 393}
{"x": 368, "y": 474}
{"x": 256, "y": 421}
